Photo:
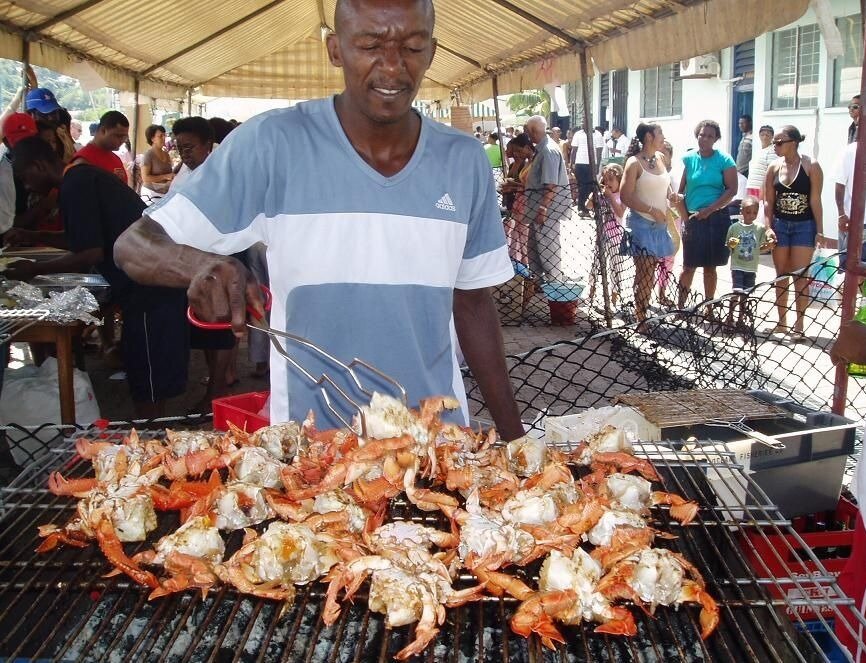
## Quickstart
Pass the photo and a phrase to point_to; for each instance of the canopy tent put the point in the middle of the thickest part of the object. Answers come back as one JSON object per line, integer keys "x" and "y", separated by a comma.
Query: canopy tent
{"x": 274, "y": 48}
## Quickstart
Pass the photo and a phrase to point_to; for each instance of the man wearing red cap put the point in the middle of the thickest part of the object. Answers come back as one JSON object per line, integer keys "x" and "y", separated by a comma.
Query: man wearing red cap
{"x": 15, "y": 127}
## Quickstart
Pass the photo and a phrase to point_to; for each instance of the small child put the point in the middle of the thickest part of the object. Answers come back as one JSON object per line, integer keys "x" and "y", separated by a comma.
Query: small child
{"x": 746, "y": 240}
{"x": 612, "y": 213}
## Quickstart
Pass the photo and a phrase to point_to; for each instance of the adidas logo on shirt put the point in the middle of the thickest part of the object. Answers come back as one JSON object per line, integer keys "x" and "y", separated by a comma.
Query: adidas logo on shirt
{"x": 446, "y": 203}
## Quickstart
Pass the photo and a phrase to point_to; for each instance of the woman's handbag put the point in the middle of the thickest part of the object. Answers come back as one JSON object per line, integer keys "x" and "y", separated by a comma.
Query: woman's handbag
{"x": 671, "y": 220}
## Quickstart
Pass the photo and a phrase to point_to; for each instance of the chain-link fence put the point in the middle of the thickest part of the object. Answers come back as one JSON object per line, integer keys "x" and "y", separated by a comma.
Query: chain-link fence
{"x": 735, "y": 340}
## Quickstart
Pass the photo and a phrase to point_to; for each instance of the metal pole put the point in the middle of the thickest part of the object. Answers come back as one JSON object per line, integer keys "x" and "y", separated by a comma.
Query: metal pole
{"x": 135, "y": 119}
{"x": 596, "y": 209}
{"x": 499, "y": 126}
{"x": 189, "y": 102}
{"x": 854, "y": 268}
{"x": 25, "y": 60}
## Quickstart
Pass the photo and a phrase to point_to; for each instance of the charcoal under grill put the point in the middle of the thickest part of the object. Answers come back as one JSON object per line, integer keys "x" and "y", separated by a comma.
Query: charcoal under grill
{"x": 59, "y": 607}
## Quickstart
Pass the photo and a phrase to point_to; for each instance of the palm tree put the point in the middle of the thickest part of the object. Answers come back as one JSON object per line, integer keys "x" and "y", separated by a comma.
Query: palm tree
{"x": 530, "y": 102}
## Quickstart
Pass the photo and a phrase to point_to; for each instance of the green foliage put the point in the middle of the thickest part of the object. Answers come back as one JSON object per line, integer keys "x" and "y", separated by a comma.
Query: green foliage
{"x": 530, "y": 102}
{"x": 67, "y": 89}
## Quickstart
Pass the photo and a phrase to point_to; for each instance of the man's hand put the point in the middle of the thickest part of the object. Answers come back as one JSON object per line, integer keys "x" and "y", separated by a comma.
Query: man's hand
{"x": 843, "y": 223}
{"x": 20, "y": 237}
{"x": 21, "y": 270}
{"x": 222, "y": 290}
{"x": 850, "y": 346}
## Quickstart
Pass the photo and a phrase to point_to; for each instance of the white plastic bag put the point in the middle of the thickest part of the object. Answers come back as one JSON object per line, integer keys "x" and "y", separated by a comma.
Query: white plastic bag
{"x": 823, "y": 272}
{"x": 31, "y": 397}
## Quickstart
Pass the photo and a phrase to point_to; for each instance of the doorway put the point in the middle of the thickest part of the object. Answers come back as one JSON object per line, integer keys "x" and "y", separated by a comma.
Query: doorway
{"x": 741, "y": 105}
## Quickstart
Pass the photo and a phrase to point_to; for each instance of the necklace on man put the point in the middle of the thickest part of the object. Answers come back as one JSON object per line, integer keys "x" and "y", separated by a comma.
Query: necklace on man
{"x": 650, "y": 161}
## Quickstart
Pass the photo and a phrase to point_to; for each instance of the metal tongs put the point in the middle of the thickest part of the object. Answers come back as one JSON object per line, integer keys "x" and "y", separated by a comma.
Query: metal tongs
{"x": 324, "y": 381}
{"x": 741, "y": 427}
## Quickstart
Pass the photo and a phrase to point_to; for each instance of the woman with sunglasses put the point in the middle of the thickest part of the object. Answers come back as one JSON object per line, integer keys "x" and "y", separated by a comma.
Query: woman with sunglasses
{"x": 792, "y": 194}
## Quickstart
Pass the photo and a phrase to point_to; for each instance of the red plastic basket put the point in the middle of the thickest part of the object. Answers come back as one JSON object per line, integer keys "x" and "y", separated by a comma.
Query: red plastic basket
{"x": 762, "y": 549}
{"x": 242, "y": 410}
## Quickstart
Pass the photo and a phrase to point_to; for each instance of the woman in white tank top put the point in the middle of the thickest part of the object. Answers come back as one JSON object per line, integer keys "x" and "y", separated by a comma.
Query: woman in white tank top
{"x": 645, "y": 189}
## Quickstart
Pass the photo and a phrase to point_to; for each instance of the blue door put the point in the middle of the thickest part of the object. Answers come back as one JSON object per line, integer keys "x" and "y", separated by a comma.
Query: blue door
{"x": 742, "y": 105}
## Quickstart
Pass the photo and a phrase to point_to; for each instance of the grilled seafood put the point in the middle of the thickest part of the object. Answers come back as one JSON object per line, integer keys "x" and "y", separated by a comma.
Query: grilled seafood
{"x": 403, "y": 533}
{"x": 282, "y": 441}
{"x": 655, "y": 576}
{"x": 255, "y": 465}
{"x": 634, "y": 493}
{"x": 272, "y": 564}
{"x": 607, "y": 440}
{"x": 507, "y": 504}
{"x": 407, "y": 586}
{"x": 526, "y": 455}
{"x": 235, "y": 505}
{"x": 110, "y": 516}
{"x": 489, "y": 542}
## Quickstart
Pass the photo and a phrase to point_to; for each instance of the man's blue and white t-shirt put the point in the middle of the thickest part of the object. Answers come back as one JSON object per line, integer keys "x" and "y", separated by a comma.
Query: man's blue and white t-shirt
{"x": 362, "y": 264}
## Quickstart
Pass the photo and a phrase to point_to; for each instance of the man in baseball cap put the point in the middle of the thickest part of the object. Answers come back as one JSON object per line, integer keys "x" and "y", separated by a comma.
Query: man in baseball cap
{"x": 42, "y": 100}
{"x": 17, "y": 126}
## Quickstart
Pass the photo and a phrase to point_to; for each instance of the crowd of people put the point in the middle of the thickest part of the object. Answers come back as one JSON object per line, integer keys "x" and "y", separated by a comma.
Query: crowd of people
{"x": 60, "y": 193}
{"x": 334, "y": 213}
{"x": 85, "y": 196}
{"x": 723, "y": 210}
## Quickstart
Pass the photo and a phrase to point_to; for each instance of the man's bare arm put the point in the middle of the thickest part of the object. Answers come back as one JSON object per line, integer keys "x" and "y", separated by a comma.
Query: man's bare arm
{"x": 477, "y": 325}
{"x": 218, "y": 287}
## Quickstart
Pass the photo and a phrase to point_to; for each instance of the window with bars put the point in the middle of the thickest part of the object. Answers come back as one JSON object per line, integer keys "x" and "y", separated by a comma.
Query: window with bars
{"x": 661, "y": 91}
{"x": 796, "y": 63}
{"x": 846, "y": 68}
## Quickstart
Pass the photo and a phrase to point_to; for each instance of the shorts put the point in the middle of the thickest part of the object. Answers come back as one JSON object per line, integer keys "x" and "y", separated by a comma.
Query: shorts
{"x": 648, "y": 237}
{"x": 155, "y": 343}
{"x": 843, "y": 251}
{"x": 795, "y": 233}
{"x": 743, "y": 281}
{"x": 704, "y": 241}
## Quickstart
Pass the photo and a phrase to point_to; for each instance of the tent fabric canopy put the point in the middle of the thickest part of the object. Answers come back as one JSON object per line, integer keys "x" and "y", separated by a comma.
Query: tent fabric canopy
{"x": 274, "y": 48}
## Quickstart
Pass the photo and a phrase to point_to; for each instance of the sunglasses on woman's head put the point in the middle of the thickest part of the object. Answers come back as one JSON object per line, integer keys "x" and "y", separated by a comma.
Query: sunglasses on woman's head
{"x": 782, "y": 142}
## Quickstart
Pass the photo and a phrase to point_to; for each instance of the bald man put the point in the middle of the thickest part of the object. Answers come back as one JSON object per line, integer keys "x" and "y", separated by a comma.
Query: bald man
{"x": 374, "y": 250}
{"x": 548, "y": 201}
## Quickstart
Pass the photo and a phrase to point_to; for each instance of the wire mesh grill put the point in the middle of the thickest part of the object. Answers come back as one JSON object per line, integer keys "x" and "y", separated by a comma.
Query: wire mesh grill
{"x": 15, "y": 320}
{"x": 60, "y": 606}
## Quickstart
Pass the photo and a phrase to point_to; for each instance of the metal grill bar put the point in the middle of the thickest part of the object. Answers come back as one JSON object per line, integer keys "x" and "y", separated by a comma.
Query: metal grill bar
{"x": 58, "y": 606}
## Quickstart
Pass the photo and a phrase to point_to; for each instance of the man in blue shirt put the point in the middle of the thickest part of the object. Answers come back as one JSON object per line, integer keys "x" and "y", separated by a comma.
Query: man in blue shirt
{"x": 374, "y": 249}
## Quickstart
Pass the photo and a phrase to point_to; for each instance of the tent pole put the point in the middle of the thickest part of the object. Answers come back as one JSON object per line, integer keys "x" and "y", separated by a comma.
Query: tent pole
{"x": 25, "y": 60}
{"x": 596, "y": 208}
{"x": 135, "y": 118}
{"x": 499, "y": 126}
{"x": 189, "y": 102}
{"x": 854, "y": 269}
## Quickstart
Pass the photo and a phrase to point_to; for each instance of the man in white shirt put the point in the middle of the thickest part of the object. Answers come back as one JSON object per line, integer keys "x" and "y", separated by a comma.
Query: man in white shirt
{"x": 598, "y": 144}
{"x": 844, "y": 185}
{"x": 620, "y": 143}
{"x": 582, "y": 171}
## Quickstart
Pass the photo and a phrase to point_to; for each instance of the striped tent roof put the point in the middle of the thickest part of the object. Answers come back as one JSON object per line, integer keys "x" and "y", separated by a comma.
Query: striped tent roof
{"x": 274, "y": 48}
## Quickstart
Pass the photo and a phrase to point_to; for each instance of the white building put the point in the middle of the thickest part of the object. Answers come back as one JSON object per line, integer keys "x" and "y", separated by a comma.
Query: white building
{"x": 784, "y": 77}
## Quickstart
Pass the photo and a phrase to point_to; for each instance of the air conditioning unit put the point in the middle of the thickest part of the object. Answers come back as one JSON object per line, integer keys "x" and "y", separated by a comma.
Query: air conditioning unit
{"x": 702, "y": 66}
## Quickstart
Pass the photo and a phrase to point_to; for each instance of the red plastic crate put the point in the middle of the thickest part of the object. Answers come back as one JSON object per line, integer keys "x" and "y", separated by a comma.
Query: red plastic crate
{"x": 242, "y": 410}
{"x": 761, "y": 553}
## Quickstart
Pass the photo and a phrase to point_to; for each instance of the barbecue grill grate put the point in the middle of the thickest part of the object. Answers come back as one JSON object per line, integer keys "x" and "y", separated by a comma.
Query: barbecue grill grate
{"x": 667, "y": 409}
{"x": 60, "y": 607}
